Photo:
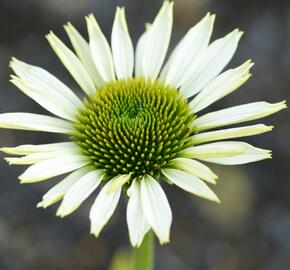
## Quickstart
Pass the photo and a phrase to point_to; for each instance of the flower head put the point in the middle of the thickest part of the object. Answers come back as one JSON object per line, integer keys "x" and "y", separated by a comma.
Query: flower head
{"x": 139, "y": 121}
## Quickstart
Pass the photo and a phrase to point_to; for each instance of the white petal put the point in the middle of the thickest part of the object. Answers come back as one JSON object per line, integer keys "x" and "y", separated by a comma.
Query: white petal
{"x": 230, "y": 133}
{"x": 35, "y": 122}
{"x": 221, "y": 86}
{"x": 216, "y": 149}
{"x": 51, "y": 101}
{"x": 83, "y": 51}
{"x": 185, "y": 53}
{"x": 45, "y": 89}
{"x": 156, "y": 208}
{"x": 27, "y": 149}
{"x": 157, "y": 41}
{"x": 227, "y": 153}
{"x": 210, "y": 63}
{"x": 252, "y": 154}
{"x": 194, "y": 167}
{"x": 122, "y": 48}
{"x": 43, "y": 78}
{"x": 100, "y": 50}
{"x": 72, "y": 64}
{"x": 52, "y": 167}
{"x": 237, "y": 114}
{"x": 79, "y": 192}
{"x": 103, "y": 208}
{"x": 190, "y": 183}
{"x": 57, "y": 192}
{"x": 139, "y": 55}
{"x": 37, "y": 157}
{"x": 137, "y": 224}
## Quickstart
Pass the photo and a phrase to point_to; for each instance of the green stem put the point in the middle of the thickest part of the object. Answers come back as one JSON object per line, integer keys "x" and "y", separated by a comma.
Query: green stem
{"x": 143, "y": 257}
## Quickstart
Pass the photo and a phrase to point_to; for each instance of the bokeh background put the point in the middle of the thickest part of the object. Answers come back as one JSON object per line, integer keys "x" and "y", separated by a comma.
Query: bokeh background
{"x": 250, "y": 230}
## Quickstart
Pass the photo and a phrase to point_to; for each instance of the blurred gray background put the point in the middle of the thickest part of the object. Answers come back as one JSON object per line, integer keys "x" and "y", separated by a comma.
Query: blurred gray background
{"x": 250, "y": 230}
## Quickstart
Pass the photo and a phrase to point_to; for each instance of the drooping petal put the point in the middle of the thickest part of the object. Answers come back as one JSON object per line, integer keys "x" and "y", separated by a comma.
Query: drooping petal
{"x": 35, "y": 122}
{"x": 137, "y": 223}
{"x": 45, "y": 89}
{"x": 190, "y": 183}
{"x": 72, "y": 64}
{"x": 230, "y": 133}
{"x": 100, "y": 50}
{"x": 195, "y": 168}
{"x": 157, "y": 41}
{"x": 227, "y": 153}
{"x": 37, "y": 157}
{"x": 221, "y": 86}
{"x": 27, "y": 149}
{"x": 156, "y": 208}
{"x": 103, "y": 208}
{"x": 57, "y": 192}
{"x": 210, "y": 63}
{"x": 122, "y": 47}
{"x": 79, "y": 192}
{"x": 52, "y": 167}
{"x": 237, "y": 114}
{"x": 185, "y": 53}
{"x": 83, "y": 51}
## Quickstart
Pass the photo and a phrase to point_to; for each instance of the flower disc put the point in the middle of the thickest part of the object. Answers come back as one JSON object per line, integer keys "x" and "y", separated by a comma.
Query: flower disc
{"x": 133, "y": 126}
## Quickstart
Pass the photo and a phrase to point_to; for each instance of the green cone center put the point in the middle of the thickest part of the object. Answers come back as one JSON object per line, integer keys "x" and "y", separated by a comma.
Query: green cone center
{"x": 133, "y": 126}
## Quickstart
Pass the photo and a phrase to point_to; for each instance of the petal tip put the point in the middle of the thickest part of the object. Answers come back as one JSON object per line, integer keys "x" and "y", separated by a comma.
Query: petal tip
{"x": 8, "y": 160}
{"x": 283, "y": 104}
{"x": 60, "y": 213}
{"x": 164, "y": 240}
{"x": 40, "y": 205}
{"x": 23, "y": 179}
{"x": 67, "y": 27}
{"x": 95, "y": 232}
{"x": 216, "y": 200}
{"x": 12, "y": 62}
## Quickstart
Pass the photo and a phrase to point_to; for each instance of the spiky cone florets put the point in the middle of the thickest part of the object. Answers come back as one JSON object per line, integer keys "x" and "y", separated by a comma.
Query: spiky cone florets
{"x": 134, "y": 126}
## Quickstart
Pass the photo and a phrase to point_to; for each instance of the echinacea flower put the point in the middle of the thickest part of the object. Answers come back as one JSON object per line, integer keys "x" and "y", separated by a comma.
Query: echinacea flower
{"x": 139, "y": 122}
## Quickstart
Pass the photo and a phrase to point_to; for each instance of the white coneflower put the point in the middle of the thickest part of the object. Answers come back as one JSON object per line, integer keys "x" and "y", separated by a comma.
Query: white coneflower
{"x": 136, "y": 125}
